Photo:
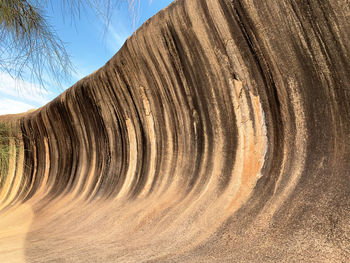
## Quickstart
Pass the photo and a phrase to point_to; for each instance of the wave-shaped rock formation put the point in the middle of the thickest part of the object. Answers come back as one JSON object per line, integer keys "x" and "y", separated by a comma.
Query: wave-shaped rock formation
{"x": 218, "y": 133}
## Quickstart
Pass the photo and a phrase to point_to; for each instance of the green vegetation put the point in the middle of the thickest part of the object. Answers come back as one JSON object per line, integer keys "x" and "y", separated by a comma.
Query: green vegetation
{"x": 6, "y": 135}
{"x": 29, "y": 44}
{"x": 4, "y": 152}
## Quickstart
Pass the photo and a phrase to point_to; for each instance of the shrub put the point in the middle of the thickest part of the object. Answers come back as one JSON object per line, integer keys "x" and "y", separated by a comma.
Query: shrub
{"x": 6, "y": 134}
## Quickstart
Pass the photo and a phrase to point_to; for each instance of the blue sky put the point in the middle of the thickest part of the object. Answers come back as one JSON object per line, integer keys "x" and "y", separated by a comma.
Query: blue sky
{"x": 89, "y": 45}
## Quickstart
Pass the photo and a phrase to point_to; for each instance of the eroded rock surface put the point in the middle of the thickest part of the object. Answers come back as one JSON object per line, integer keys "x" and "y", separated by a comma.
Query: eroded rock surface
{"x": 218, "y": 133}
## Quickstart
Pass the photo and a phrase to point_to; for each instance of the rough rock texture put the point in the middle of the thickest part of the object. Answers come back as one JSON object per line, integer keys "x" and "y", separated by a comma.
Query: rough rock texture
{"x": 218, "y": 133}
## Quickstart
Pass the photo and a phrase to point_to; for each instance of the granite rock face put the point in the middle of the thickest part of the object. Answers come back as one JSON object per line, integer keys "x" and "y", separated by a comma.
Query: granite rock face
{"x": 218, "y": 133}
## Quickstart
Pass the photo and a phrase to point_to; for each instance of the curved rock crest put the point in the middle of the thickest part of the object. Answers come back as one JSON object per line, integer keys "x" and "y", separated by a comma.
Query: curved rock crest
{"x": 218, "y": 133}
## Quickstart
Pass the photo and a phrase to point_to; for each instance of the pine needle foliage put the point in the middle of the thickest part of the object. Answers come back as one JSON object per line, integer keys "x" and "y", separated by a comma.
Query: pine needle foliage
{"x": 30, "y": 45}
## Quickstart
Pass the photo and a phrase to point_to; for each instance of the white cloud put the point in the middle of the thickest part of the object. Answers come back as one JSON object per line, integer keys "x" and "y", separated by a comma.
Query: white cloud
{"x": 23, "y": 90}
{"x": 9, "y": 106}
{"x": 83, "y": 70}
{"x": 116, "y": 40}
